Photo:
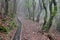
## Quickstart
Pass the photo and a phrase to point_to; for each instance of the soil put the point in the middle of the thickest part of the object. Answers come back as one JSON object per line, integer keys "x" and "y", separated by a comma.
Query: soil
{"x": 30, "y": 31}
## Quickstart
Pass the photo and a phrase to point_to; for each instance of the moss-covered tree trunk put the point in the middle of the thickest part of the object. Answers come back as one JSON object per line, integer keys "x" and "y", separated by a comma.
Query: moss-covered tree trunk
{"x": 34, "y": 5}
{"x": 45, "y": 17}
{"x": 28, "y": 5}
{"x": 0, "y": 5}
{"x": 14, "y": 8}
{"x": 48, "y": 24}
{"x": 6, "y": 7}
{"x": 40, "y": 7}
{"x": 29, "y": 11}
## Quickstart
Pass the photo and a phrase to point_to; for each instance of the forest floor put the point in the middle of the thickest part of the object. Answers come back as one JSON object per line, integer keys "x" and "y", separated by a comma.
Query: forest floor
{"x": 8, "y": 36}
{"x": 30, "y": 31}
{"x": 5, "y": 32}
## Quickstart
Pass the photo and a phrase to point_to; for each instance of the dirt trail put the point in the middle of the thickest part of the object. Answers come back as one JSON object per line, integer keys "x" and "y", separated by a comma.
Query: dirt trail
{"x": 30, "y": 29}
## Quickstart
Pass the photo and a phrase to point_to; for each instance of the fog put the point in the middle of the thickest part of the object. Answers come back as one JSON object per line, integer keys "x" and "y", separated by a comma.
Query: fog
{"x": 22, "y": 10}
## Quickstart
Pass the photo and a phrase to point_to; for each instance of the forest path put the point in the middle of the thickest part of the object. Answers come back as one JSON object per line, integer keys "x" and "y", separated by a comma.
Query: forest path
{"x": 30, "y": 30}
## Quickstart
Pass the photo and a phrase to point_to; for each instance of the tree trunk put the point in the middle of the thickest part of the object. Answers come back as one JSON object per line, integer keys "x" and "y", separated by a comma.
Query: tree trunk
{"x": 40, "y": 6}
{"x": 0, "y": 5}
{"x": 29, "y": 11}
{"x": 45, "y": 18}
{"x": 14, "y": 8}
{"x": 47, "y": 26}
{"x": 34, "y": 4}
{"x": 6, "y": 7}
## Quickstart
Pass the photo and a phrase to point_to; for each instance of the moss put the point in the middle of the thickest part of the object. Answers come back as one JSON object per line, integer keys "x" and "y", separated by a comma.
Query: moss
{"x": 53, "y": 12}
{"x": 2, "y": 29}
{"x": 12, "y": 24}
